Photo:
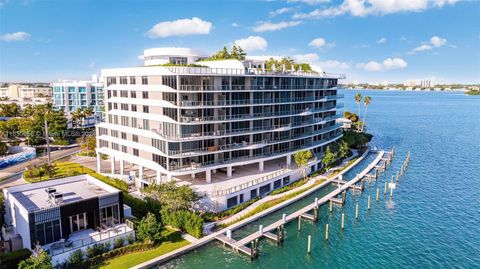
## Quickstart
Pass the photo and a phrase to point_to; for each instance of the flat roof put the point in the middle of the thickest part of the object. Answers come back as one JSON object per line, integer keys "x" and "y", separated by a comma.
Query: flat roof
{"x": 33, "y": 197}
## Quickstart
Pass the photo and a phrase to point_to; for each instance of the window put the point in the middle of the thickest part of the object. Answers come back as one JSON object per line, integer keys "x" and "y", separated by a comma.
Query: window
{"x": 114, "y": 93}
{"x": 123, "y": 80}
{"x": 133, "y": 94}
{"x": 115, "y": 106}
{"x": 114, "y": 133}
{"x": 145, "y": 95}
{"x": 135, "y": 138}
{"x": 115, "y": 146}
{"x": 134, "y": 107}
{"x": 145, "y": 80}
{"x": 124, "y": 107}
{"x": 134, "y": 123}
{"x": 132, "y": 80}
{"x": 48, "y": 232}
{"x": 78, "y": 222}
{"x": 178, "y": 60}
{"x": 124, "y": 135}
{"x": 145, "y": 109}
{"x": 111, "y": 80}
{"x": 146, "y": 124}
{"x": 124, "y": 120}
{"x": 109, "y": 216}
{"x": 135, "y": 152}
{"x": 124, "y": 149}
{"x": 123, "y": 93}
{"x": 170, "y": 81}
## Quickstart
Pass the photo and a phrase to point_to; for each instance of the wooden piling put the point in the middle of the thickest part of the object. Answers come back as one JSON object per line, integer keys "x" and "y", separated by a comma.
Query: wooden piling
{"x": 378, "y": 191}
{"x": 326, "y": 231}
{"x": 368, "y": 202}
{"x": 397, "y": 177}
{"x": 308, "y": 244}
{"x": 343, "y": 220}
{"x": 315, "y": 214}
{"x": 385, "y": 189}
{"x": 331, "y": 206}
{"x": 356, "y": 212}
{"x": 391, "y": 192}
{"x": 299, "y": 223}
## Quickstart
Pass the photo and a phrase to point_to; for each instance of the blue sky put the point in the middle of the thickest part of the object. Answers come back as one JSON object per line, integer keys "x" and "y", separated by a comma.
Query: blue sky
{"x": 369, "y": 40}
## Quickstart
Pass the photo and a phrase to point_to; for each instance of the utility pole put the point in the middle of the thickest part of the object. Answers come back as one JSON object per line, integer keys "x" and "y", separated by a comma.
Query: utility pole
{"x": 47, "y": 139}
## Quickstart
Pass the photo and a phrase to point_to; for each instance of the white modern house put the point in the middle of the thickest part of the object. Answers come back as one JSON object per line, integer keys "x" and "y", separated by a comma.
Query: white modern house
{"x": 63, "y": 215}
{"x": 228, "y": 129}
{"x": 70, "y": 95}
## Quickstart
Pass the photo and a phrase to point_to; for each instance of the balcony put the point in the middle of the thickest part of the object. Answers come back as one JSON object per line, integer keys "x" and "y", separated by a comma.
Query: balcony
{"x": 248, "y": 102}
{"x": 211, "y": 149}
{"x": 212, "y": 88}
{"x": 194, "y": 166}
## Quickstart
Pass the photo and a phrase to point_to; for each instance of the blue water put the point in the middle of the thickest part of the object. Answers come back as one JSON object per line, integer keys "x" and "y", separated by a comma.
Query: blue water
{"x": 433, "y": 220}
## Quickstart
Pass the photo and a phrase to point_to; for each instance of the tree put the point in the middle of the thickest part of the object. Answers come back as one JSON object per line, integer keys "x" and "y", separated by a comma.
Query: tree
{"x": 329, "y": 158}
{"x": 171, "y": 196}
{"x": 38, "y": 260}
{"x": 366, "y": 101}
{"x": 241, "y": 54}
{"x": 149, "y": 229}
{"x": 10, "y": 110}
{"x": 87, "y": 113}
{"x": 358, "y": 99}
{"x": 234, "y": 54}
{"x": 301, "y": 158}
{"x": 3, "y": 148}
{"x": 344, "y": 149}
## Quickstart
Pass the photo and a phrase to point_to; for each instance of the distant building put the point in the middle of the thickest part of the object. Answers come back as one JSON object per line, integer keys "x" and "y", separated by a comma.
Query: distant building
{"x": 69, "y": 96}
{"x": 63, "y": 215}
{"x": 25, "y": 91}
{"x": 427, "y": 84}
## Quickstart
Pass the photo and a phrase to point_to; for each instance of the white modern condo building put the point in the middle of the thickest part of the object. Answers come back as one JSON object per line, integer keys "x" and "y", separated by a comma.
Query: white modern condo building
{"x": 228, "y": 128}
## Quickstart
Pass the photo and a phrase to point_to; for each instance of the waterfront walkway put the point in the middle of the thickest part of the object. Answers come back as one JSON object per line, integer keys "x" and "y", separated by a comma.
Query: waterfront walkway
{"x": 207, "y": 239}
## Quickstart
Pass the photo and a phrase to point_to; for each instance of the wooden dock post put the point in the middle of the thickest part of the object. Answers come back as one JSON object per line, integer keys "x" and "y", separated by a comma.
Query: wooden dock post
{"x": 344, "y": 197}
{"x": 260, "y": 229}
{"x": 299, "y": 223}
{"x": 368, "y": 202}
{"x": 385, "y": 189}
{"x": 391, "y": 192}
{"x": 308, "y": 244}
{"x": 284, "y": 218}
{"x": 376, "y": 174}
{"x": 356, "y": 212}
{"x": 397, "y": 177}
{"x": 362, "y": 185}
{"x": 401, "y": 170}
{"x": 343, "y": 220}
{"x": 378, "y": 191}
{"x": 315, "y": 214}
{"x": 316, "y": 201}
{"x": 326, "y": 232}
{"x": 331, "y": 206}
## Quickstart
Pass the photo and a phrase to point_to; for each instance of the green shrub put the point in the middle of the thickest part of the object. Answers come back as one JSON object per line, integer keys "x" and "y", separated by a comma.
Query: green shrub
{"x": 184, "y": 220}
{"x": 215, "y": 216}
{"x": 149, "y": 229}
{"x": 97, "y": 249}
{"x": 75, "y": 258}
{"x": 11, "y": 260}
{"x": 130, "y": 239}
{"x": 119, "y": 242}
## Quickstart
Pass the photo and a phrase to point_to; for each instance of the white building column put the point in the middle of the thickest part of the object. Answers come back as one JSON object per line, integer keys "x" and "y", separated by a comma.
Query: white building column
{"x": 159, "y": 177}
{"x": 122, "y": 167}
{"x": 140, "y": 173}
{"x": 99, "y": 164}
{"x": 289, "y": 159}
{"x": 260, "y": 166}
{"x": 229, "y": 171}
{"x": 208, "y": 176}
{"x": 112, "y": 164}
{"x": 169, "y": 177}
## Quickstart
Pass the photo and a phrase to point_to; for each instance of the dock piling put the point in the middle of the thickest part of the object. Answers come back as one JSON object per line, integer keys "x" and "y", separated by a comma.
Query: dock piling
{"x": 309, "y": 244}
{"x": 397, "y": 177}
{"x": 299, "y": 223}
{"x": 391, "y": 192}
{"x": 356, "y": 212}
{"x": 326, "y": 232}
{"x": 385, "y": 189}
{"x": 331, "y": 206}
{"x": 369, "y": 202}
{"x": 376, "y": 198}
{"x": 343, "y": 220}
{"x": 284, "y": 218}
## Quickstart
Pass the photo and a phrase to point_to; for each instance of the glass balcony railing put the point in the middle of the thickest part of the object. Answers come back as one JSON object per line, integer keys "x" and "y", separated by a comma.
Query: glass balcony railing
{"x": 196, "y": 88}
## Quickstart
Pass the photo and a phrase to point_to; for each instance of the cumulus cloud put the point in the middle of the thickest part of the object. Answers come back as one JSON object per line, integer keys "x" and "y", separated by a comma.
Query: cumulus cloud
{"x": 333, "y": 64}
{"x": 306, "y": 58}
{"x": 235, "y": 24}
{"x": 269, "y": 26}
{"x": 362, "y": 8}
{"x": 435, "y": 42}
{"x": 321, "y": 43}
{"x": 17, "y": 36}
{"x": 252, "y": 43}
{"x": 280, "y": 11}
{"x": 309, "y": 2}
{"x": 382, "y": 40}
{"x": 387, "y": 64}
{"x": 182, "y": 27}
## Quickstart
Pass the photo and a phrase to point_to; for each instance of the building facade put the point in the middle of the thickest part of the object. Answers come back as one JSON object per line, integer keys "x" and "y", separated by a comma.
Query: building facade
{"x": 63, "y": 215}
{"x": 26, "y": 91}
{"x": 228, "y": 129}
{"x": 69, "y": 96}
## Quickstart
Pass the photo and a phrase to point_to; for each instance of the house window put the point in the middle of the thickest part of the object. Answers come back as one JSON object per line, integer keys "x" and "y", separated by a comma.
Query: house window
{"x": 123, "y": 80}
{"x": 144, "y": 80}
{"x": 109, "y": 216}
{"x": 134, "y": 108}
{"x": 135, "y": 152}
{"x": 48, "y": 232}
{"x": 135, "y": 138}
{"x": 133, "y": 94}
{"x": 78, "y": 222}
{"x": 132, "y": 80}
{"x": 145, "y": 95}
{"x": 145, "y": 109}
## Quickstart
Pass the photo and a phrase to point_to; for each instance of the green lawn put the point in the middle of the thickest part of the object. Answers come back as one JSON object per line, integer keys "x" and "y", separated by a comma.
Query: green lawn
{"x": 132, "y": 259}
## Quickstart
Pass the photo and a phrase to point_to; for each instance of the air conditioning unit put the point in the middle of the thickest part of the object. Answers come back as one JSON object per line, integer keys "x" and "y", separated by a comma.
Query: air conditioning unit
{"x": 50, "y": 190}
{"x": 56, "y": 198}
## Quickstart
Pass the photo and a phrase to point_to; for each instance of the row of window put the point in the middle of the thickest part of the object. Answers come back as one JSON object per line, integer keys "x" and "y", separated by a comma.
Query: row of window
{"x": 127, "y": 80}
{"x": 123, "y": 93}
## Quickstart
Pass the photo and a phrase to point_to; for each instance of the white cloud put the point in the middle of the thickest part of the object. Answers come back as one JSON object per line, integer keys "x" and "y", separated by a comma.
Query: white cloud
{"x": 235, "y": 24}
{"x": 321, "y": 43}
{"x": 17, "y": 36}
{"x": 382, "y": 40}
{"x": 387, "y": 64}
{"x": 309, "y": 2}
{"x": 252, "y": 43}
{"x": 362, "y": 8}
{"x": 437, "y": 41}
{"x": 306, "y": 58}
{"x": 182, "y": 27}
{"x": 333, "y": 64}
{"x": 280, "y": 11}
{"x": 269, "y": 26}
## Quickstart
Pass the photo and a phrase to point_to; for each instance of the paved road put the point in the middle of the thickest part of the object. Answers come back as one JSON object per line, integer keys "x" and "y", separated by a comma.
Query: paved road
{"x": 11, "y": 173}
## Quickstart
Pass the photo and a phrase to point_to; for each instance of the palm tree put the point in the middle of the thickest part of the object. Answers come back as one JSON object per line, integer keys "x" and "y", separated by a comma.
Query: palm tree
{"x": 366, "y": 101}
{"x": 301, "y": 159}
{"x": 88, "y": 112}
{"x": 358, "y": 99}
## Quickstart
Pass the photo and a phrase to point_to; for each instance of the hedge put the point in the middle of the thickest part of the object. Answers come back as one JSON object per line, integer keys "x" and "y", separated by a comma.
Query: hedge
{"x": 184, "y": 220}
{"x": 11, "y": 260}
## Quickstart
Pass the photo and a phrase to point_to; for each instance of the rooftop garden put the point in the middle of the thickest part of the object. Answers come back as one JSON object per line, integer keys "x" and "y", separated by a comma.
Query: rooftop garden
{"x": 236, "y": 53}
{"x": 288, "y": 62}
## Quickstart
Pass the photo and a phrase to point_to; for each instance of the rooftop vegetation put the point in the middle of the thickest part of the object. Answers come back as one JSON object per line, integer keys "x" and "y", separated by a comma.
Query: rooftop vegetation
{"x": 236, "y": 53}
{"x": 288, "y": 63}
